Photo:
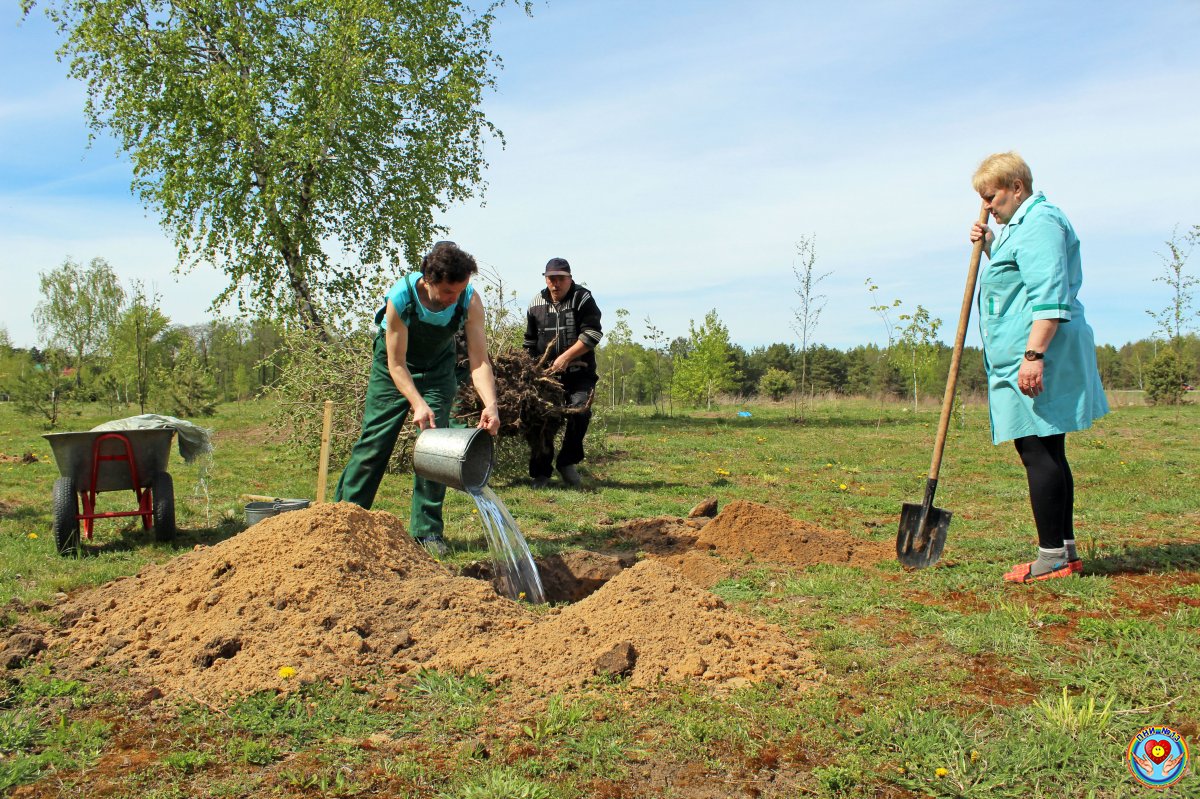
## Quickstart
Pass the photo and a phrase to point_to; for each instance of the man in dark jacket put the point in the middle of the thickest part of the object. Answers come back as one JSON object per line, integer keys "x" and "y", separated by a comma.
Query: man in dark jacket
{"x": 562, "y": 329}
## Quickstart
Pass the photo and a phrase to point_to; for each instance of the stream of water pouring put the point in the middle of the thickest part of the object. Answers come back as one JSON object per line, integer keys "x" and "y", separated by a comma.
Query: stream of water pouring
{"x": 514, "y": 563}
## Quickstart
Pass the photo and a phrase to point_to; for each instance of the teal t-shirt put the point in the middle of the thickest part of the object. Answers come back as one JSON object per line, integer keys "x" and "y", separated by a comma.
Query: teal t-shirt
{"x": 402, "y": 290}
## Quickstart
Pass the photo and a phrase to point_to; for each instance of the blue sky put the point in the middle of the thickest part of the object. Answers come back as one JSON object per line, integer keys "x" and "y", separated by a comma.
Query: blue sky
{"x": 675, "y": 152}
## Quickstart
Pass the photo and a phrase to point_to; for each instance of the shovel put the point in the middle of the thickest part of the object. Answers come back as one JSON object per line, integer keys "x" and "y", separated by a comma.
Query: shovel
{"x": 923, "y": 527}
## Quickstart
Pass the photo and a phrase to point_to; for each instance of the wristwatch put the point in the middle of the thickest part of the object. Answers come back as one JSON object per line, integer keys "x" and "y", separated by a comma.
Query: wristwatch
{"x": 1034, "y": 355}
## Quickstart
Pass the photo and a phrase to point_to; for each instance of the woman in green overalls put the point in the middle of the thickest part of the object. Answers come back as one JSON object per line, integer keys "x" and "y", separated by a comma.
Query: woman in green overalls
{"x": 413, "y": 369}
{"x": 1039, "y": 353}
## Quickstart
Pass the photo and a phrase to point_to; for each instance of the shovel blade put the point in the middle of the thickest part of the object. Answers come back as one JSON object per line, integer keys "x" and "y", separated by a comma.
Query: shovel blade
{"x": 920, "y": 541}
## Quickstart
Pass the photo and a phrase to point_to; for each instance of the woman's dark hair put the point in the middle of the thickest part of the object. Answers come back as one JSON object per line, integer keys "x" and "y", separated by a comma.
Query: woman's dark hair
{"x": 446, "y": 263}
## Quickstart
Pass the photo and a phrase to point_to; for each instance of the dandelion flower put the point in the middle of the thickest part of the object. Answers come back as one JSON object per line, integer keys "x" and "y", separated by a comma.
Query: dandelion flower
{"x": 974, "y": 755}
{"x": 829, "y": 464}
{"x": 521, "y": 595}
{"x": 33, "y": 535}
{"x": 941, "y": 772}
{"x": 286, "y": 672}
{"x": 841, "y": 486}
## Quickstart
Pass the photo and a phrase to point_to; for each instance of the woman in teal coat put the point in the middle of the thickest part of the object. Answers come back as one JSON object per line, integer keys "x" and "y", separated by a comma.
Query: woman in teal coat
{"x": 1039, "y": 353}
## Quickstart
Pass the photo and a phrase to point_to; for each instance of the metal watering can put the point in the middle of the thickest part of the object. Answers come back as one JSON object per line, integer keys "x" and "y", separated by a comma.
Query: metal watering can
{"x": 459, "y": 457}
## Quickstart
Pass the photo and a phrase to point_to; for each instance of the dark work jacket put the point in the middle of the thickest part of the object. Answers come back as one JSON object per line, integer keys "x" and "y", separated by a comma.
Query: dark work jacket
{"x": 558, "y": 325}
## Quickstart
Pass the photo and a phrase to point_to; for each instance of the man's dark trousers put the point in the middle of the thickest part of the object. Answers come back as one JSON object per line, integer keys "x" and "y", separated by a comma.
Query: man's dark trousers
{"x": 577, "y": 387}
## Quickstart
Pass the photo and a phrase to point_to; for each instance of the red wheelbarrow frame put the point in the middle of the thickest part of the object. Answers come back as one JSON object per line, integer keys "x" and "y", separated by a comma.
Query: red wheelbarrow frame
{"x": 88, "y": 493}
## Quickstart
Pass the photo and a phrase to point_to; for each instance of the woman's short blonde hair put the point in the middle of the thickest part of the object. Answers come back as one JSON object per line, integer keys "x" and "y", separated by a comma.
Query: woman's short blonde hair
{"x": 1002, "y": 170}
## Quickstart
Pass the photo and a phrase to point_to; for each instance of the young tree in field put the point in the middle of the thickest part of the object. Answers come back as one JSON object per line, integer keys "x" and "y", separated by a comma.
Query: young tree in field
{"x": 290, "y": 143}
{"x": 137, "y": 351}
{"x": 43, "y": 389}
{"x": 616, "y": 357}
{"x": 656, "y": 367}
{"x": 79, "y": 308}
{"x": 806, "y": 317}
{"x": 918, "y": 340}
{"x": 187, "y": 387}
{"x": 1168, "y": 371}
{"x": 884, "y": 311}
{"x": 1165, "y": 379}
{"x": 885, "y": 365}
{"x": 776, "y": 384}
{"x": 1178, "y": 318}
{"x": 706, "y": 370}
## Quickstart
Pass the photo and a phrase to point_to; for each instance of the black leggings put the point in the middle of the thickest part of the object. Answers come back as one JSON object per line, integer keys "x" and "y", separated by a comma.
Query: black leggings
{"x": 1051, "y": 489}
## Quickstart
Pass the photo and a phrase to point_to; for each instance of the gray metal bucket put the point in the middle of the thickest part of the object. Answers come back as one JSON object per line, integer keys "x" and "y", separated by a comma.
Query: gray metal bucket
{"x": 458, "y": 457}
{"x": 257, "y": 511}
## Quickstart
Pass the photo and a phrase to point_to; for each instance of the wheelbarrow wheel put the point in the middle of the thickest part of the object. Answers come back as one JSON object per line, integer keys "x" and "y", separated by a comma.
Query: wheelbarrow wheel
{"x": 66, "y": 516}
{"x": 163, "y": 491}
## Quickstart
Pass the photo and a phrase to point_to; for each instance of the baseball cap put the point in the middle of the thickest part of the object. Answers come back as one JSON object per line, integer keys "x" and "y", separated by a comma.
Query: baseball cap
{"x": 557, "y": 266}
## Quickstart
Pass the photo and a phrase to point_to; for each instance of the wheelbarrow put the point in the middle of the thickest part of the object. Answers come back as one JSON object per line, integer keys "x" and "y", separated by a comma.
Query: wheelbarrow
{"x": 97, "y": 461}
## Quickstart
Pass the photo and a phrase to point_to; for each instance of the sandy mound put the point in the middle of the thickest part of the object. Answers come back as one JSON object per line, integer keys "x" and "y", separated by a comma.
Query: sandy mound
{"x": 332, "y": 592}
{"x": 744, "y": 529}
{"x": 673, "y": 628}
{"x": 337, "y": 592}
{"x": 747, "y": 528}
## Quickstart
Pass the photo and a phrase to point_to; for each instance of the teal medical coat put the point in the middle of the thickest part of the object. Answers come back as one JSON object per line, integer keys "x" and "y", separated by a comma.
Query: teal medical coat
{"x": 1034, "y": 273}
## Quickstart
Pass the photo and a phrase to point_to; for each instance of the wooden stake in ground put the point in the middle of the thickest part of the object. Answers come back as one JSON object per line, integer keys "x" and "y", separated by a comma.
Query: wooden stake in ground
{"x": 323, "y": 469}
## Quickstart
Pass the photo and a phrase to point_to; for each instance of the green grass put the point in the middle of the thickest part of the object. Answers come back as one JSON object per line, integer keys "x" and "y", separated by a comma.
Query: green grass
{"x": 943, "y": 682}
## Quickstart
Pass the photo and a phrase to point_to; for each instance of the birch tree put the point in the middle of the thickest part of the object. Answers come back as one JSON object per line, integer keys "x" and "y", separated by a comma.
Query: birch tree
{"x": 79, "y": 308}
{"x": 300, "y": 147}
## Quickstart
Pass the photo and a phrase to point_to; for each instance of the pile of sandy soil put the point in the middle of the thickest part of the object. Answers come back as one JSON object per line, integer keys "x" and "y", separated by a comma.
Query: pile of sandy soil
{"x": 334, "y": 591}
{"x": 337, "y": 592}
{"x": 709, "y": 550}
{"x": 748, "y": 528}
{"x": 649, "y": 623}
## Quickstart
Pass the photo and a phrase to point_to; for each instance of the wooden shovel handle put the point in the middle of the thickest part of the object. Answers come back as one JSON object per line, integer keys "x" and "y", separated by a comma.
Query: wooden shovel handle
{"x": 960, "y": 337}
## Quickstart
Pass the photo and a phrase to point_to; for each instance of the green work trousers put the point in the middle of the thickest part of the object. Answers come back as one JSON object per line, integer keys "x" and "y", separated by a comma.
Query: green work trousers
{"x": 383, "y": 417}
